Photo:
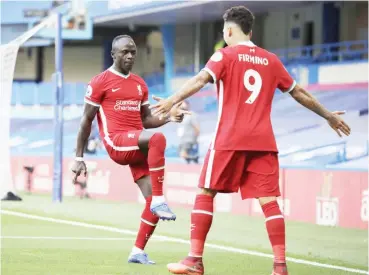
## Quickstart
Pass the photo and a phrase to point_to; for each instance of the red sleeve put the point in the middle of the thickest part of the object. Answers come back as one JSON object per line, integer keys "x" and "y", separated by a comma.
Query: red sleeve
{"x": 216, "y": 65}
{"x": 145, "y": 98}
{"x": 95, "y": 92}
{"x": 285, "y": 82}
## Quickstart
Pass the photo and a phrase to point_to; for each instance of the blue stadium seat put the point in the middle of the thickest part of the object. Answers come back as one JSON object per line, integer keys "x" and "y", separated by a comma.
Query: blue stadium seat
{"x": 28, "y": 92}
{"x": 69, "y": 93}
{"x": 15, "y": 93}
{"x": 80, "y": 91}
{"x": 46, "y": 93}
{"x": 359, "y": 163}
{"x": 333, "y": 52}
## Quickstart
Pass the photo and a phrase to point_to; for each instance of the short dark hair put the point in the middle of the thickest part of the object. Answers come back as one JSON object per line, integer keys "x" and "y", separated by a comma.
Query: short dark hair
{"x": 120, "y": 37}
{"x": 242, "y": 16}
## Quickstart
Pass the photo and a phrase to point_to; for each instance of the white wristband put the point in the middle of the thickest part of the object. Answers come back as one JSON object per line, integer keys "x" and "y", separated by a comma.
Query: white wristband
{"x": 78, "y": 159}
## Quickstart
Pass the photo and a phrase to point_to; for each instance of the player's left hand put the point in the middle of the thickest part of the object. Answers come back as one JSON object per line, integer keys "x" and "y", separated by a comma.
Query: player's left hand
{"x": 337, "y": 123}
{"x": 176, "y": 114}
{"x": 165, "y": 108}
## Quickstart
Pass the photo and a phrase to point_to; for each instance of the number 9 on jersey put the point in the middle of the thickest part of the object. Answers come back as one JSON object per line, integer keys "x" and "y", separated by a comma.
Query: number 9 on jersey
{"x": 254, "y": 88}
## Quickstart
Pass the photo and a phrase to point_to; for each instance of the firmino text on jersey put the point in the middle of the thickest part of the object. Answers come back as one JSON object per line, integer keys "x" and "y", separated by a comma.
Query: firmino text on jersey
{"x": 253, "y": 59}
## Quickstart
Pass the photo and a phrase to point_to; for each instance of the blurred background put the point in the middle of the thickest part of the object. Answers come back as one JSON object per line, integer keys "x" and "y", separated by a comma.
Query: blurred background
{"x": 324, "y": 45}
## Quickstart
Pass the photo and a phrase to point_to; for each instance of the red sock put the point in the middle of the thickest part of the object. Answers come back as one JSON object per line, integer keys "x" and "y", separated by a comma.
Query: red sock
{"x": 276, "y": 230}
{"x": 201, "y": 219}
{"x": 156, "y": 161}
{"x": 147, "y": 227}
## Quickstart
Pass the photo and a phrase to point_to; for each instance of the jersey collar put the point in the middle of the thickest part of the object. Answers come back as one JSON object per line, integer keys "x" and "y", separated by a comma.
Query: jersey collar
{"x": 247, "y": 43}
{"x": 111, "y": 69}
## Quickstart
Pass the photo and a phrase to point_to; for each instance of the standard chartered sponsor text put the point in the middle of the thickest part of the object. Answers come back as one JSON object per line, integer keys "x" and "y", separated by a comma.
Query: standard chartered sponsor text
{"x": 127, "y": 105}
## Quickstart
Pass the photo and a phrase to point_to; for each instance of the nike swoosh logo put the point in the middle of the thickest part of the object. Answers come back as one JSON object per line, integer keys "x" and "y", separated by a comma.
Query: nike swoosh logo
{"x": 114, "y": 90}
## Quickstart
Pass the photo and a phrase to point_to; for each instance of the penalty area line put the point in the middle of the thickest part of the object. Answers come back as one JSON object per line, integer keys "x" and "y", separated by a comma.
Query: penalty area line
{"x": 178, "y": 240}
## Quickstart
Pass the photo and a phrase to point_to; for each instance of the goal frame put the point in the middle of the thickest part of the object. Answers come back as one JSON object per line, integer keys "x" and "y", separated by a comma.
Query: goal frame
{"x": 9, "y": 54}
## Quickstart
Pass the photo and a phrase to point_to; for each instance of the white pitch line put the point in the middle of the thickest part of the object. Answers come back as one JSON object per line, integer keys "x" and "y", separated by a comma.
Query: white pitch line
{"x": 177, "y": 240}
{"x": 65, "y": 238}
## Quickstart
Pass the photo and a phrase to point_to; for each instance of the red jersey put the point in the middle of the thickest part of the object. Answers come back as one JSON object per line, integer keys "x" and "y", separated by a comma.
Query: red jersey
{"x": 246, "y": 77}
{"x": 120, "y": 98}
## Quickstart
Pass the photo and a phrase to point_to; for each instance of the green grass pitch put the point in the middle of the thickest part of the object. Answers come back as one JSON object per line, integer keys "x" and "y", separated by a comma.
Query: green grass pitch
{"x": 30, "y": 246}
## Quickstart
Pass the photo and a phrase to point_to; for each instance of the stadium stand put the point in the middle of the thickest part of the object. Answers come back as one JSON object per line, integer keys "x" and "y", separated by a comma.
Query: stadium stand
{"x": 302, "y": 138}
{"x": 29, "y": 93}
{"x": 330, "y": 52}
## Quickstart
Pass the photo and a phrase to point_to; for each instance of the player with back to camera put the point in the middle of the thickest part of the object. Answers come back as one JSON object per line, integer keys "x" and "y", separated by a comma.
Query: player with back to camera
{"x": 119, "y": 98}
{"x": 243, "y": 154}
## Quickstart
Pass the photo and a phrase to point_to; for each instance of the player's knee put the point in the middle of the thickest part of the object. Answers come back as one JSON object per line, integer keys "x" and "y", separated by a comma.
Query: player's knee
{"x": 265, "y": 200}
{"x": 208, "y": 192}
{"x": 158, "y": 140}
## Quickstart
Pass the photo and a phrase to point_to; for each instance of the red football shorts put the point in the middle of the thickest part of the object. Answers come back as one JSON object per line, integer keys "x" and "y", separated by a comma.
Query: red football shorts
{"x": 123, "y": 149}
{"x": 255, "y": 174}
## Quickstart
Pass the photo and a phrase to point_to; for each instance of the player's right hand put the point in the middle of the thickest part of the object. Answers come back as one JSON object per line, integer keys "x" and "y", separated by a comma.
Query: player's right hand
{"x": 337, "y": 123}
{"x": 176, "y": 113}
{"x": 78, "y": 168}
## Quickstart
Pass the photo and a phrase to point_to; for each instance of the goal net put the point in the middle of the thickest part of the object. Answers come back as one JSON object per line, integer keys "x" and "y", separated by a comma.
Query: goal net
{"x": 8, "y": 53}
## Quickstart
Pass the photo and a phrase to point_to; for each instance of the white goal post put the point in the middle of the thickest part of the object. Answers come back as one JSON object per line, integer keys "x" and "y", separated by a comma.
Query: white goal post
{"x": 8, "y": 53}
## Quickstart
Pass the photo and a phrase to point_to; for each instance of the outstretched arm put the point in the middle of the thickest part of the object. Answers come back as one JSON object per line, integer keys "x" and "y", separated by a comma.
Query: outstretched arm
{"x": 149, "y": 121}
{"x": 176, "y": 114}
{"x": 88, "y": 116}
{"x": 191, "y": 87}
{"x": 309, "y": 101}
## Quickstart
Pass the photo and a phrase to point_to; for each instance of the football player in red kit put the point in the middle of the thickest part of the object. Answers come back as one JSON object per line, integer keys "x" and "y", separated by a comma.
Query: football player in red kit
{"x": 243, "y": 154}
{"x": 119, "y": 98}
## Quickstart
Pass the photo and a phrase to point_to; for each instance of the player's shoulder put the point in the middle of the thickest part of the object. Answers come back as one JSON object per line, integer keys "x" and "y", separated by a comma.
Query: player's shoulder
{"x": 270, "y": 55}
{"x": 233, "y": 51}
{"x": 138, "y": 79}
{"x": 226, "y": 51}
{"x": 272, "y": 58}
{"x": 219, "y": 55}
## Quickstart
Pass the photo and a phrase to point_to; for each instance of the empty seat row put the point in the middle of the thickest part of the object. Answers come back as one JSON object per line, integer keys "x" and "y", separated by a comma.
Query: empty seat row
{"x": 31, "y": 93}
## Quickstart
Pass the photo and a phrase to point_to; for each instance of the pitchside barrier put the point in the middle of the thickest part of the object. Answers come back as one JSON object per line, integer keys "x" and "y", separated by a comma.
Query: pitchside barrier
{"x": 324, "y": 197}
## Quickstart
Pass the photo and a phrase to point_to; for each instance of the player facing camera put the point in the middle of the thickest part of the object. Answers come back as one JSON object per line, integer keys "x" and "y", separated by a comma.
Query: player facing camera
{"x": 124, "y": 52}
{"x": 120, "y": 100}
